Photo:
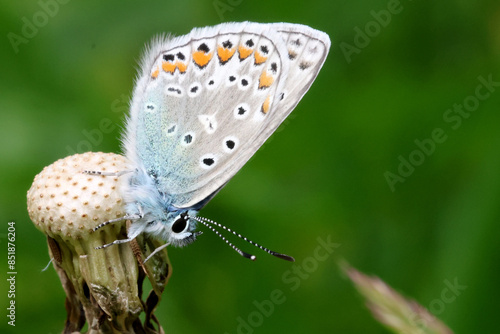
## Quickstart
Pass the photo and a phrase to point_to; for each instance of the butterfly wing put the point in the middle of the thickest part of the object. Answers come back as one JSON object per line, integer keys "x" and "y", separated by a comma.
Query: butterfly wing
{"x": 205, "y": 102}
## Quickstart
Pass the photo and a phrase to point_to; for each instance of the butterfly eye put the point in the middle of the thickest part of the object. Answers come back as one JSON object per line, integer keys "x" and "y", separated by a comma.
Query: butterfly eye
{"x": 180, "y": 224}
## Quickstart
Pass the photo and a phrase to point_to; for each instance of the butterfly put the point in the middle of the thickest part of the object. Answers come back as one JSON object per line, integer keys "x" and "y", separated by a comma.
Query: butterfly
{"x": 202, "y": 105}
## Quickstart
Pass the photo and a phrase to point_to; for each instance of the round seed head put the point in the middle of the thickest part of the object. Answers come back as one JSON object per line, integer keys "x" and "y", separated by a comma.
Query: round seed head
{"x": 63, "y": 201}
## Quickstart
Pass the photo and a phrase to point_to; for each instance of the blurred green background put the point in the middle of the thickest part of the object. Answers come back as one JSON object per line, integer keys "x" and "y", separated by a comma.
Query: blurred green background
{"x": 322, "y": 175}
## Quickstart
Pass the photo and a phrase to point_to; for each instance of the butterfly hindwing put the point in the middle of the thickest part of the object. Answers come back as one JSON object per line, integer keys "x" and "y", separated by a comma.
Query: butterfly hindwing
{"x": 205, "y": 102}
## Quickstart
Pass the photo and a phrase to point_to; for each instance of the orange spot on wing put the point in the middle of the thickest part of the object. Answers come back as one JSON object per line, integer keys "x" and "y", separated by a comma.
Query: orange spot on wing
{"x": 154, "y": 75}
{"x": 259, "y": 59}
{"x": 266, "y": 104}
{"x": 181, "y": 66}
{"x": 201, "y": 58}
{"x": 225, "y": 54}
{"x": 168, "y": 66}
{"x": 244, "y": 52}
{"x": 265, "y": 80}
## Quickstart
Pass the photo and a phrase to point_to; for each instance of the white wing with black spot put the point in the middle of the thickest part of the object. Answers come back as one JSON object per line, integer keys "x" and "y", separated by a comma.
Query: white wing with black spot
{"x": 205, "y": 102}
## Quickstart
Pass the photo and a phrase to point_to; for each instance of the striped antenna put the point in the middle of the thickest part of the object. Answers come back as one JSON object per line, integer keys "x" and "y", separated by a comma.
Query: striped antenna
{"x": 239, "y": 251}
{"x": 206, "y": 221}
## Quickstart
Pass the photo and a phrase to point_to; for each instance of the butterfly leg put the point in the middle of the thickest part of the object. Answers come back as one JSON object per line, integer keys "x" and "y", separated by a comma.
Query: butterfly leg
{"x": 116, "y": 242}
{"x": 128, "y": 217}
{"x": 131, "y": 217}
{"x": 95, "y": 172}
{"x": 156, "y": 251}
{"x": 48, "y": 264}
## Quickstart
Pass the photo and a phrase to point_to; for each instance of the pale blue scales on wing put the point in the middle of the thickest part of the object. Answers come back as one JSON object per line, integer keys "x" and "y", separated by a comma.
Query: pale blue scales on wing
{"x": 203, "y": 104}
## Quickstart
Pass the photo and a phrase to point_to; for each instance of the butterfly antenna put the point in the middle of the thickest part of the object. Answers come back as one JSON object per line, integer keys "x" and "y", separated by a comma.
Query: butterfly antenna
{"x": 204, "y": 220}
{"x": 239, "y": 251}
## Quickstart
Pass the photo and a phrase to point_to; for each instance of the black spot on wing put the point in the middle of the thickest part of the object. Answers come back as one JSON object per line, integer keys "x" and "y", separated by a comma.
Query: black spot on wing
{"x": 174, "y": 90}
{"x": 208, "y": 161}
{"x": 203, "y": 47}
{"x": 304, "y": 65}
{"x": 169, "y": 57}
{"x": 227, "y": 44}
{"x": 180, "y": 55}
{"x": 274, "y": 68}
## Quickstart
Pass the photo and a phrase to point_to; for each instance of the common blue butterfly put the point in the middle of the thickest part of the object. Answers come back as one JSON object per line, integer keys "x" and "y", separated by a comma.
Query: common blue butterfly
{"x": 203, "y": 104}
